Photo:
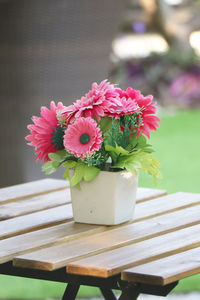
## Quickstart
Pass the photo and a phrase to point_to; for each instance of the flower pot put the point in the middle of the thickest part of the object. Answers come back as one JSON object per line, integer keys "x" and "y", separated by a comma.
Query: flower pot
{"x": 109, "y": 199}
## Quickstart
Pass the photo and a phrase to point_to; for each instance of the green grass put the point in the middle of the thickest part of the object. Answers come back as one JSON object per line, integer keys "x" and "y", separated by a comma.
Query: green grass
{"x": 177, "y": 145}
{"x": 23, "y": 288}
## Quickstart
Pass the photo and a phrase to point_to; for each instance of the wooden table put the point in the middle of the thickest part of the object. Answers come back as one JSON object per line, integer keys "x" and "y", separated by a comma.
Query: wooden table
{"x": 38, "y": 239}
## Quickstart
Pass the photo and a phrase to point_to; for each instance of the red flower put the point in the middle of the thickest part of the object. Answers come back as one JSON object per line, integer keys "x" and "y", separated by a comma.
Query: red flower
{"x": 93, "y": 104}
{"x": 121, "y": 107}
{"x": 147, "y": 107}
{"x": 43, "y": 130}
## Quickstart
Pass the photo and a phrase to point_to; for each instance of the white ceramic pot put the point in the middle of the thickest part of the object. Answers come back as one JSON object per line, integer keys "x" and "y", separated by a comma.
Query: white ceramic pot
{"x": 109, "y": 199}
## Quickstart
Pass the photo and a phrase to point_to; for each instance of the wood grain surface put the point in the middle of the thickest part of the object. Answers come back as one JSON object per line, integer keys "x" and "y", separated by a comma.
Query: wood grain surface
{"x": 39, "y": 239}
{"x": 22, "y": 243}
{"x": 30, "y": 189}
{"x": 58, "y": 256}
{"x": 35, "y": 221}
{"x": 166, "y": 270}
{"x": 114, "y": 262}
{"x": 37, "y": 231}
{"x": 34, "y": 204}
{"x": 163, "y": 205}
{"x": 145, "y": 194}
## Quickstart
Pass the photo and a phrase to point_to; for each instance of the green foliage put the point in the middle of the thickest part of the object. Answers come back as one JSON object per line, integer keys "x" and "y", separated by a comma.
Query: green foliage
{"x": 128, "y": 151}
{"x": 139, "y": 161}
{"x": 82, "y": 171}
{"x": 123, "y": 132}
{"x": 117, "y": 149}
{"x": 105, "y": 124}
{"x": 50, "y": 167}
{"x": 115, "y": 152}
{"x": 121, "y": 144}
{"x": 59, "y": 156}
{"x": 139, "y": 143}
{"x": 69, "y": 165}
{"x": 56, "y": 159}
{"x": 57, "y": 138}
{"x": 113, "y": 135}
{"x": 98, "y": 159}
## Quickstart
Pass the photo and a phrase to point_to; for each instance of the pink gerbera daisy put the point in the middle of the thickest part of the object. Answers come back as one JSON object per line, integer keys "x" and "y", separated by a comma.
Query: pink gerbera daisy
{"x": 147, "y": 108}
{"x": 121, "y": 107}
{"x": 83, "y": 138}
{"x": 46, "y": 134}
{"x": 93, "y": 104}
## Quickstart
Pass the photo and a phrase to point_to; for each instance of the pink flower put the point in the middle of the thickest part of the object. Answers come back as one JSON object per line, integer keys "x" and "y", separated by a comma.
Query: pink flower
{"x": 93, "y": 104}
{"x": 147, "y": 108}
{"x": 121, "y": 107}
{"x": 83, "y": 138}
{"x": 44, "y": 131}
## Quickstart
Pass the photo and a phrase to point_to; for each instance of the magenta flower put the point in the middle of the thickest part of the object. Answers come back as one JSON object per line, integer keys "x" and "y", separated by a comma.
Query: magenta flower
{"x": 93, "y": 104}
{"x": 147, "y": 108}
{"x": 46, "y": 134}
{"x": 121, "y": 106}
{"x": 83, "y": 138}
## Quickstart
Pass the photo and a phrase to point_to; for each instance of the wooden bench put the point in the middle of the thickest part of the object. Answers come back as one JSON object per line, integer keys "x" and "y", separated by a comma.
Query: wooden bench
{"x": 38, "y": 239}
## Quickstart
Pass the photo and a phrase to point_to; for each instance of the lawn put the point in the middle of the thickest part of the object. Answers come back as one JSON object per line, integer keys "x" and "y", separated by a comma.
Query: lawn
{"x": 177, "y": 145}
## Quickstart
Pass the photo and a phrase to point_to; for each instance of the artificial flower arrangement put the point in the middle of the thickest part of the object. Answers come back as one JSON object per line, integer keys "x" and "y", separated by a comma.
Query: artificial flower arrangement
{"x": 105, "y": 130}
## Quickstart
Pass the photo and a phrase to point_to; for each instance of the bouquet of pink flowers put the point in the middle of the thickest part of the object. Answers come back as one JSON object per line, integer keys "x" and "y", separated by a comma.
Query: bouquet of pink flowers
{"x": 104, "y": 130}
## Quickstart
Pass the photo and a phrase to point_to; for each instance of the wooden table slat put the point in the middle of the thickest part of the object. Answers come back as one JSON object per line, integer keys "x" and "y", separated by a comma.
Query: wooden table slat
{"x": 145, "y": 194}
{"x": 39, "y": 239}
{"x": 115, "y": 261}
{"x": 35, "y": 221}
{"x": 166, "y": 270}
{"x": 30, "y": 189}
{"x": 159, "y": 246}
{"x": 53, "y": 199}
{"x": 165, "y": 204}
{"x": 34, "y": 204}
{"x": 58, "y": 256}
{"x": 53, "y": 233}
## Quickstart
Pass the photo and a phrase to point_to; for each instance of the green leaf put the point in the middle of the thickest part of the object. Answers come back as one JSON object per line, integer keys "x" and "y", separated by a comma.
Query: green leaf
{"x": 98, "y": 159}
{"x": 58, "y": 156}
{"x": 78, "y": 174}
{"x": 78, "y": 186}
{"x": 113, "y": 135}
{"x": 105, "y": 124}
{"x": 139, "y": 143}
{"x": 90, "y": 172}
{"x": 69, "y": 165}
{"x": 117, "y": 149}
{"x": 55, "y": 164}
{"x": 81, "y": 171}
{"x": 139, "y": 161}
{"x": 49, "y": 168}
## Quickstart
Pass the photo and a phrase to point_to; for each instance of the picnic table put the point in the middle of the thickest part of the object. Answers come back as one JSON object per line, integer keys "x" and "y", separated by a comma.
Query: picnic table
{"x": 150, "y": 254}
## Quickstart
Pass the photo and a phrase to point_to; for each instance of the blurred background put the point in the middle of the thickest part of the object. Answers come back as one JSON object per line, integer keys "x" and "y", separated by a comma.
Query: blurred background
{"x": 49, "y": 50}
{"x": 54, "y": 50}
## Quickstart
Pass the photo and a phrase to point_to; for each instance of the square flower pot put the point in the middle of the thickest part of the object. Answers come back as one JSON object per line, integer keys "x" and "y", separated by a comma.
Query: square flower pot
{"x": 109, "y": 199}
